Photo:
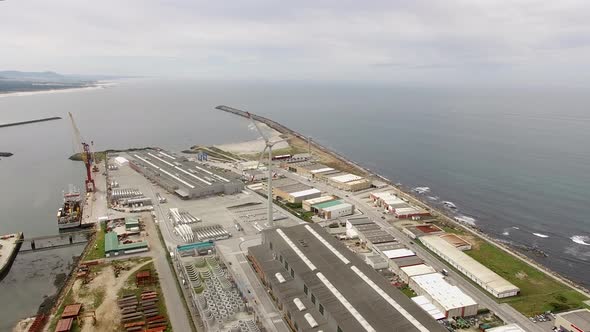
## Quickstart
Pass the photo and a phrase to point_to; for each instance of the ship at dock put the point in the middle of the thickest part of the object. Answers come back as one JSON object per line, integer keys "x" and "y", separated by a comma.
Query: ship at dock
{"x": 70, "y": 214}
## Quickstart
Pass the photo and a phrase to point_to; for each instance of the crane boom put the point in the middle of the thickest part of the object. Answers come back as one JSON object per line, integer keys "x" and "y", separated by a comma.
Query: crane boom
{"x": 84, "y": 150}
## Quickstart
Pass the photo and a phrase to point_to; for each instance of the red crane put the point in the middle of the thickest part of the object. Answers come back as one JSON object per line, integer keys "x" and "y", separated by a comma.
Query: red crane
{"x": 84, "y": 150}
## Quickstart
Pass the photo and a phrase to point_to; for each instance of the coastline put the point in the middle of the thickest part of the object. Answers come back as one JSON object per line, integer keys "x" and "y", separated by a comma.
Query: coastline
{"x": 408, "y": 195}
{"x": 93, "y": 86}
{"x": 5, "y": 268}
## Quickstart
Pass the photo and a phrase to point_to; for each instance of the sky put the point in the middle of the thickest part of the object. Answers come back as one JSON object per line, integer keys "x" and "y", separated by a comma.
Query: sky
{"x": 418, "y": 41}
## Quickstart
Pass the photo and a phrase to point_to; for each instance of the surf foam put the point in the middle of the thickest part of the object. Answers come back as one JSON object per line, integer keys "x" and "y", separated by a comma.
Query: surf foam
{"x": 581, "y": 239}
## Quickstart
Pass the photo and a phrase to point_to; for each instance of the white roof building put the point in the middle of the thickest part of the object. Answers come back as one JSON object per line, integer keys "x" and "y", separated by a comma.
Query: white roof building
{"x": 121, "y": 160}
{"x": 346, "y": 178}
{"x": 507, "y": 328}
{"x": 450, "y": 299}
{"x": 408, "y": 272}
{"x": 318, "y": 200}
{"x": 321, "y": 170}
{"x": 427, "y": 306}
{"x": 397, "y": 253}
{"x": 305, "y": 192}
{"x": 486, "y": 278}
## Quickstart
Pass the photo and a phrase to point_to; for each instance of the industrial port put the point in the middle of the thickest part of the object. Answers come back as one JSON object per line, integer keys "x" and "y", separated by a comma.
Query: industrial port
{"x": 219, "y": 240}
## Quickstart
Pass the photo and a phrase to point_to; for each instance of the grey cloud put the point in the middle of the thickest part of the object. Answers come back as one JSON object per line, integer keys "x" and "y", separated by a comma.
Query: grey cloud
{"x": 307, "y": 39}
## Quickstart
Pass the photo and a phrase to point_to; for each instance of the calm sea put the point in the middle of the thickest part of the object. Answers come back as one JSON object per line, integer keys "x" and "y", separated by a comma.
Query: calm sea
{"x": 515, "y": 160}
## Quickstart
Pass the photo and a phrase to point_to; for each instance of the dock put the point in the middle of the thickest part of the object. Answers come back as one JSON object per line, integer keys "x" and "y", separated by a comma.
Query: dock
{"x": 77, "y": 237}
{"x": 9, "y": 246}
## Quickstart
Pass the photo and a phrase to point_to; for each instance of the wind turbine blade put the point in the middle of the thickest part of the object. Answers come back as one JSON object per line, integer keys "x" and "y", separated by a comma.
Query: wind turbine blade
{"x": 261, "y": 156}
{"x": 258, "y": 128}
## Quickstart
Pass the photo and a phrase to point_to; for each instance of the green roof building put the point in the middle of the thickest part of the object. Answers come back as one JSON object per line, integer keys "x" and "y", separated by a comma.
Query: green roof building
{"x": 112, "y": 247}
{"x": 326, "y": 204}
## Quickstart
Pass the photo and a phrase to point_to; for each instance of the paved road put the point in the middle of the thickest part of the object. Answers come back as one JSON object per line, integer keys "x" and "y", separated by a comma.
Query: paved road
{"x": 504, "y": 311}
{"x": 173, "y": 298}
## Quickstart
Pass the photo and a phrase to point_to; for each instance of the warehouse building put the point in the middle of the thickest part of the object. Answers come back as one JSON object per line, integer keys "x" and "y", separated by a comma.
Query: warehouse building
{"x": 573, "y": 321}
{"x": 376, "y": 262}
{"x": 418, "y": 231}
{"x": 295, "y": 193}
{"x": 400, "y": 258}
{"x": 308, "y": 203}
{"x": 253, "y": 175}
{"x": 281, "y": 182}
{"x": 408, "y": 272}
{"x": 397, "y": 206}
{"x": 309, "y": 274}
{"x": 484, "y": 277}
{"x": 508, "y": 328}
{"x": 348, "y": 182}
{"x": 371, "y": 236}
{"x": 333, "y": 209}
{"x": 112, "y": 247}
{"x": 456, "y": 241}
{"x": 427, "y": 306}
{"x": 185, "y": 178}
{"x": 449, "y": 299}
{"x": 336, "y": 211}
{"x": 309, "y": 169}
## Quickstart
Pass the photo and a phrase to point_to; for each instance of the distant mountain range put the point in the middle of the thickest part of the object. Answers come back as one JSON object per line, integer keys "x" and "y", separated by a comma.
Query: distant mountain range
{"x": 31, "y": 76}
{"x": 19, "y": 81}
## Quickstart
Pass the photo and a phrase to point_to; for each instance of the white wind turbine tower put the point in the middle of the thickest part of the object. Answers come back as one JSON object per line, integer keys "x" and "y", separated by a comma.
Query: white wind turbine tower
{"x": 268, "y": 145}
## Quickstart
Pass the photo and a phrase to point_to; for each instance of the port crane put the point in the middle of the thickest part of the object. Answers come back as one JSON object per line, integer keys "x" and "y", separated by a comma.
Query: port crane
{"x": 87, "y": 156}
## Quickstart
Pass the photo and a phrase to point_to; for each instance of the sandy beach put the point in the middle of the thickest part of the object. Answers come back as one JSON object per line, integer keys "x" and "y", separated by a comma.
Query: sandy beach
{"x": 255, "y": 146}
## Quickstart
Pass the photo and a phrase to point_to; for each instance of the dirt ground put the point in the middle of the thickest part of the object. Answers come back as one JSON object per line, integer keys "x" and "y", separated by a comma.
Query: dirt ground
{"x": 103, "y": 291}
{"x": 108, "y": 314}
{"x": 300, "y": 145}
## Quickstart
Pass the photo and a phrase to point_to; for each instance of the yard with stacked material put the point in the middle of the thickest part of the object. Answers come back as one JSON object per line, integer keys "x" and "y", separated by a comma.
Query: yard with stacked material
{"x": 538, "y": 292}
{"x": 96, "y": 289}
{"x": 141, "y": 302}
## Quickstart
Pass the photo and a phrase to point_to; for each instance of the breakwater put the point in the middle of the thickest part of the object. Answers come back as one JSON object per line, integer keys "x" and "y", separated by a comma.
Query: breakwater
{"x": 20, "y": 123}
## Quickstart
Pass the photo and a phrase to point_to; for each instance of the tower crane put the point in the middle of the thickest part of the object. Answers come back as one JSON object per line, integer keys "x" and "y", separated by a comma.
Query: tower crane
{"x": 87, "y": 156}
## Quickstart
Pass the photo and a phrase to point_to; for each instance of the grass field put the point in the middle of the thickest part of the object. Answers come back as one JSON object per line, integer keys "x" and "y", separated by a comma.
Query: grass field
{"x": 97, "y": 250}
{"x": 538, "y": 292}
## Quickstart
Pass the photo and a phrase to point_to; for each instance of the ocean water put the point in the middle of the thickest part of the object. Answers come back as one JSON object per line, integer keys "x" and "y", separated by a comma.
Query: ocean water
{"x": 517, "y": 161}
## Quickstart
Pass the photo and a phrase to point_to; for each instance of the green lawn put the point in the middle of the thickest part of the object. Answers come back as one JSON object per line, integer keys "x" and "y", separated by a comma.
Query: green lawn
{"x": 408, "y": 291}
{"x": 97, "y": 250}
{"x": 539, "y": 292}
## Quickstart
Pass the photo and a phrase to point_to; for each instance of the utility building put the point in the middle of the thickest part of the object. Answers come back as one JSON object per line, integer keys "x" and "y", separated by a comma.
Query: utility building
{"x": 319, "y": 285}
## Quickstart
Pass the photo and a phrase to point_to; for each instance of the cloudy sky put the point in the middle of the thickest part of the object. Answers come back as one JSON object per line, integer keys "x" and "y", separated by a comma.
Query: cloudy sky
{"x": 523, "y": 41}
